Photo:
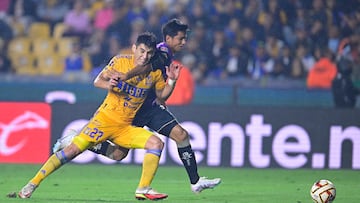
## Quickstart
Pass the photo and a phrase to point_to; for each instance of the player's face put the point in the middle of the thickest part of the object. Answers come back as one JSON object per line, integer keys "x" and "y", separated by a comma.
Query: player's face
{"x": 177, "y": 42}
{"x": 142, "y": 54}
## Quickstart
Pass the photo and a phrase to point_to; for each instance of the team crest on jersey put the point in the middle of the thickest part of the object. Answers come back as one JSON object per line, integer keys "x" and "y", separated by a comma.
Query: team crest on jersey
{"x": 164, "y": 49}
{"x": 149, "y": 81}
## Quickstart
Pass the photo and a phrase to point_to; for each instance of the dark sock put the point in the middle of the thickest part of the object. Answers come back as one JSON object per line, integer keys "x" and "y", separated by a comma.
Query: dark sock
{"x": 187, "y": 156}
{"x": 102, "y": 150}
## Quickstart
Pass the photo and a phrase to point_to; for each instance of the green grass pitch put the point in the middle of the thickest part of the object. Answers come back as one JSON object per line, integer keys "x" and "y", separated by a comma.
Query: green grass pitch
{"x": 116, "y": 183}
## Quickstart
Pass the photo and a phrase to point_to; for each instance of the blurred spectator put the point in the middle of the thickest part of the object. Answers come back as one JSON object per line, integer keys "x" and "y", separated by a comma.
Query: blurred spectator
{"x": 282, "y": 66}
{"x": 105, "y": 16}
{"x": 273, "y": 19}
{"x": 199, "y": 34}
{"x": 5, "y": 63}
{"x": 235, "y": 63}
{"x": 349, "y": 47}
{"x": 219, "y": 49}
{"x": 302, "y": 39}
{"x": 318, "y": 34}
{"x": 184, "y": 89}
{"x": 323, "y": 72}
{"x": 6, "y": 32}
{"x": 137, "y": 27}
{"x": 302, "y": 26}
{"x": 4, "y": 6}
{"x": 108, "y": 48}
{"x": 318, "y": 12}
{"x": 120, "y": 26}
{"x": 78, "y": 22}
{"x": 343, "y": 89}
{"x": 112, "y": 47}
{"x": 332, "y": 12}
{"x": 177, "y": 9}
{"x": 232, "y": 31}
{"x": 154, "y": 25}
{"x": 137, "y": 10}
{"x": 77, "y": 65}
{"x": 334, "y": 38}
{"x": 96, "y": 48}
{"x": 22, "y": 13}
{"x": 302, "y": 63}
{"x": 52, "y": 11}
{"x": 197, "y": 14}
{"x": 273, "y": 45}
{"x": 279, "y": 15}
{"x": 192, "y": 57}
{"x": 262, "y": 64}
{"x": 298, "y": 24}
{"x": 252, "y": 11}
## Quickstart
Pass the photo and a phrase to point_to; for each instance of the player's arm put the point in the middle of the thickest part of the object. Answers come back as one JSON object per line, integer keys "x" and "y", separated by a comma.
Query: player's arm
{"x": 172, "y": 72}
{"x": 106, "y": 79}
{"x": 158, "y": 60}
{"x": 137, "y": 70}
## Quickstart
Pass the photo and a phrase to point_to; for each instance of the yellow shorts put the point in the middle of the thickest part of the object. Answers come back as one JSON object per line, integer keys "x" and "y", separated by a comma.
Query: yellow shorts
{"x": 125, "y": 135}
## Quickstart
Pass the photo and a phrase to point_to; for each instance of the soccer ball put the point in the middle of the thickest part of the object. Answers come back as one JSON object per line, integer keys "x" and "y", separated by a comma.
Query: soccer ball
{"x": 323, "y": 191}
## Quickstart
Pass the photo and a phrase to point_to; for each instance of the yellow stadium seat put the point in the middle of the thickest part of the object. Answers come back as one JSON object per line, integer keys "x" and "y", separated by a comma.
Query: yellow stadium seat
{"x": 65, "y": 45}
{"x": 21, "y": 45}
{"x": 42, "y": 46}
{"x": 24, "y": 64}
{"x": 87, "y": 62}
{"x": 49, "y": 64}
{"x": 59, "y": 30}
{"x": 39, "y": 30}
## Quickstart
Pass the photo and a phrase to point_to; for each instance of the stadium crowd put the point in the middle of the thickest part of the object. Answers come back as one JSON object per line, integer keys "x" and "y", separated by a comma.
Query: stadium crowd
{"x": 229, "y": 39}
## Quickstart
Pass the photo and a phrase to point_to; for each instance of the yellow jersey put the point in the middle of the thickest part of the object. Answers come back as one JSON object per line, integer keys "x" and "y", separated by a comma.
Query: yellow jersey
{"x": 120, "y": 107}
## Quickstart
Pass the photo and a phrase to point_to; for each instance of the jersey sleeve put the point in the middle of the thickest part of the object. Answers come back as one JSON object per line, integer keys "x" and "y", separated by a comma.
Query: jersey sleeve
{"x": 119, "y": 63}
{"x": 159, "y": 80}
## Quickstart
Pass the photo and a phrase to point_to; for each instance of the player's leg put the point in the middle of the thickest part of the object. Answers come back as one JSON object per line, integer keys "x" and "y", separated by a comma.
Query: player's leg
{"x": 54, "y": 162}
{"x": 136, "y": 137}
{"x": 106, "y": 148}
{"x": 164, "y": 122}
{"x": 91, "y": 134}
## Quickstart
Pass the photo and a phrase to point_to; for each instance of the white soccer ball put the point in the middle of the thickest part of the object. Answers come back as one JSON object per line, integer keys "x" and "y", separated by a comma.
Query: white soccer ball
{"x": 323, "y": 191}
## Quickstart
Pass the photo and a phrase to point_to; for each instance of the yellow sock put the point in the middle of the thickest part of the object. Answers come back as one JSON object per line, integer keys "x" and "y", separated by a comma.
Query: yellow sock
{"x": 50, "y": 166}
{"x": 150, "y": 165}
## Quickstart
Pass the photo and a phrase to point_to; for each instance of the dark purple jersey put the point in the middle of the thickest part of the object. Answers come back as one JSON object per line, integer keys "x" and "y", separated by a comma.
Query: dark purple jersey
{"x": 163, "y": 58}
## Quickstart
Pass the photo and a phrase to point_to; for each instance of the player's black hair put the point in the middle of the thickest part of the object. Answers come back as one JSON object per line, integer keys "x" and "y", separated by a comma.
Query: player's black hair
{"x": 148, "y": 39}
{"x": 173, "y": 26}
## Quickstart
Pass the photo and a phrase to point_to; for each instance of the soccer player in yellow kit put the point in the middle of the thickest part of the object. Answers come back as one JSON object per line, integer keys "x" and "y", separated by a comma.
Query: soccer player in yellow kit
{"x": 113, "y": 118}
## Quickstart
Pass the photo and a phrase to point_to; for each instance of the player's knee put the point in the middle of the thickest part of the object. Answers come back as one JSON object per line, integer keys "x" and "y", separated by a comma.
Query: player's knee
{"x": 180, "y": 136}
{"x": 118, "y": 154}
{"x": 154, "y": 143}
{"x": 159, "y": 144}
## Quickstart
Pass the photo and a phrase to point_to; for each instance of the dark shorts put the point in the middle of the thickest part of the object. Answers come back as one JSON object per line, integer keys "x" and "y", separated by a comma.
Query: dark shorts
{"x": 157, "y": 118}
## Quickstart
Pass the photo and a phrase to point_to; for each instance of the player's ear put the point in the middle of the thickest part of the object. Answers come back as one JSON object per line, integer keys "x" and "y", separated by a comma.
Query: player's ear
{"x": 167, "y": 38}
{"x": 133, "y": 48}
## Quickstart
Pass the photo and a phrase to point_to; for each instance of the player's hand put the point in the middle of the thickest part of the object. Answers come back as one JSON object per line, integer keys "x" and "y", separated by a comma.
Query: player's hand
{"x": 122, "y": 76}
{"x": 173, "y": 71}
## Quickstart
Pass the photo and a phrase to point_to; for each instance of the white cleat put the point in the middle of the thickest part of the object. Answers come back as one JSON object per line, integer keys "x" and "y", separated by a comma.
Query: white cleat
{"x": 27, "y": 190}
{"x": 205, "y": 183}
{"x": 65, "y": 141}
{"x": 149, "y": 193}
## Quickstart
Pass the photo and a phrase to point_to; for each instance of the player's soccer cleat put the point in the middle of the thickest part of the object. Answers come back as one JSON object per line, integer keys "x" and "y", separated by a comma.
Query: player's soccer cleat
{"x": 149, "y": 193}
{"x": 27, "y": 190}
{"x": 64, "y": 141}
{"x": 205, "y": 183}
